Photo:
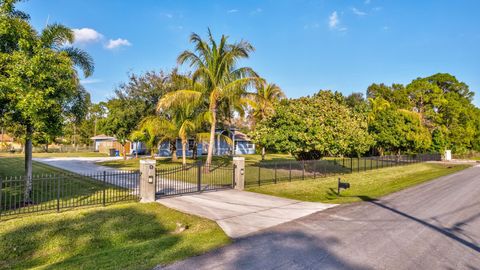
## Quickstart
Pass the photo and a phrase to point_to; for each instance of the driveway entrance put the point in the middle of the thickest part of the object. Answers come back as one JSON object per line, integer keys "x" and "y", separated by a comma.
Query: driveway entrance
{"x": 240, "y": 213}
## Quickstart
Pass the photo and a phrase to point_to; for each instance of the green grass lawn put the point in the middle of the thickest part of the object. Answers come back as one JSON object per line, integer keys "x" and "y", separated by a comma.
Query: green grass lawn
{"x": 369, "y": 184}
{"x": 76, "y": 190}
{"x": 123, "y": 236}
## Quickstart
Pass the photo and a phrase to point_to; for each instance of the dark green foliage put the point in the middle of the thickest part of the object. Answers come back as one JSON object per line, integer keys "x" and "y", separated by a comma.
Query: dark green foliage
{"x": 312, "y": 127}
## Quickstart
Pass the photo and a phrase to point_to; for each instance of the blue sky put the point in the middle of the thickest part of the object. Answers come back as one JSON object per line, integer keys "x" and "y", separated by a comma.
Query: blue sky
{"x": 303, "y": 46}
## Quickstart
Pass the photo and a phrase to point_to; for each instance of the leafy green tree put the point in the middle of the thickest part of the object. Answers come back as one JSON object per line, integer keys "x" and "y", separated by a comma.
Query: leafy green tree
{"x": 397, "y": 130}
{"x": 37, "y": 76}
{"x": 215, "y": 70}
{"x": 313, "y": 127}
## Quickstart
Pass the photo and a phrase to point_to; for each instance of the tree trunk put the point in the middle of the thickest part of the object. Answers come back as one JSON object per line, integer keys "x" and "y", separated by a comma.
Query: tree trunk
{"x": 46, "y": 147}
{"x": 195, "y": 149}
{"x": 184, "y": 151}
{"x": 263, "y": 153}
{"x": 124, "y": 152}
{"x": 173, "y": 146}
{"x": 28, "y": 164}
{"x": 212, "y": 136}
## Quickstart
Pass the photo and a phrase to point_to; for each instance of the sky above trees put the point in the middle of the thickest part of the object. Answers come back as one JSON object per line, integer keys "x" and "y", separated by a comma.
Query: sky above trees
{"x": 303, "y": 46}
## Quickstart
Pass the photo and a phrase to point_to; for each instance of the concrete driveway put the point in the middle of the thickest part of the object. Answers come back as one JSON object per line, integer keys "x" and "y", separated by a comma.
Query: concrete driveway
{"x": 240, "y": 213}
{"x": 435, "y": 225}
{"x": 87, "y": 166}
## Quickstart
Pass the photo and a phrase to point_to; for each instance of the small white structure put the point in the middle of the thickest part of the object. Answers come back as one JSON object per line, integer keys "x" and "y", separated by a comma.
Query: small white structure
{"x": 448, "y": 155}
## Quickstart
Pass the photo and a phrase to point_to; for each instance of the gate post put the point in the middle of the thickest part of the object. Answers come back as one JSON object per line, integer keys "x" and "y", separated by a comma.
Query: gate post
{"x": 147, "y": 180}
{"x": 239, "y": 175}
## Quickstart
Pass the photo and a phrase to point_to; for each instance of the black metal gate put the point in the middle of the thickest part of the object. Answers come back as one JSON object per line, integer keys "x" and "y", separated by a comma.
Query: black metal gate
{"x": 182, "y": 179}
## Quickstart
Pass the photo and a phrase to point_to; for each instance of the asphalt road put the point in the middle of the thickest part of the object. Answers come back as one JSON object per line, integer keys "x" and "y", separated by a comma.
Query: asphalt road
{"x": 435, "y": 225}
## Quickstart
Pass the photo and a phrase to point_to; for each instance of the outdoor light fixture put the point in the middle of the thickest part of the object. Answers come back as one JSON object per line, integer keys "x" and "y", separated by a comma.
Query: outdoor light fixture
{"x": 242, "y": 171}
{"x": 150, "y": 179}
{"x": 344, "y": 185}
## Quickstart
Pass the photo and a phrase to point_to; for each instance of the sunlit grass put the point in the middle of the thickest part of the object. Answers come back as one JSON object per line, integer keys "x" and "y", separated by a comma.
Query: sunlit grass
{"x": 369, "y": 184}
{"x": 125, "y": 236}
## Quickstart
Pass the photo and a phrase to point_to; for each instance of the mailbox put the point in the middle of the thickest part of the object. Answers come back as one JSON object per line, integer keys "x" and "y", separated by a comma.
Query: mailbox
{"x": 342, "y": 185}
{"x": 150, "y": 179}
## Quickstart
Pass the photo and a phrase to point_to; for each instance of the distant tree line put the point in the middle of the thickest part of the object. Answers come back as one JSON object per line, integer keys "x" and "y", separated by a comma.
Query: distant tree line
{"x": 429, "y": 114}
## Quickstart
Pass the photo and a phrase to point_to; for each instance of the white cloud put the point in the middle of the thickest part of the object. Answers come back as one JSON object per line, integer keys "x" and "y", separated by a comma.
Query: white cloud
{"x": 333, "y": 20}
{"x": 358, "y": 12}
{"x": 232, "y": 11}
{"x": 367, "y": 2}
{"x": 86, "y": 35}
{"x": 116, "y": 43}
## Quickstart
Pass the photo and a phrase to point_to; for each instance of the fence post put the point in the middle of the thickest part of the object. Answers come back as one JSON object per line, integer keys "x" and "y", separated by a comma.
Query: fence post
{"x": 314, "y": 169}
{"x": 104, "y": 186}
{"x": 147, "y": 180}
{"x": 358, "y": 164}
{"x": 303, "y": 169}
{"x": 58, "y": 193}
{"x": 259, "y": 172}
{"x": 199, "y": 176}
{"x": 351, "y": 165}
{"x": 290, "y": 171}
{"x": 239, "y": 172}
{"x": 275, "y": 172}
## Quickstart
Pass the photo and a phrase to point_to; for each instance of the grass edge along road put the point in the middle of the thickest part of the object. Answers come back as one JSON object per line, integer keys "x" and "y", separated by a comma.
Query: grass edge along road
{"x": 371, "y": 184}
{"x": 121, "y": 236}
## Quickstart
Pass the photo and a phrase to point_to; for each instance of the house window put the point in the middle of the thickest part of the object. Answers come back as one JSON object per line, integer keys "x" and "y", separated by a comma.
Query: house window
{"x": 191, "y": 144}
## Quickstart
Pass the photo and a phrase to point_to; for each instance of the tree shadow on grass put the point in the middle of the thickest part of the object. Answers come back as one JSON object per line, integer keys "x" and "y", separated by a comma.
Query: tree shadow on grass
{"x": 116, "y": 239}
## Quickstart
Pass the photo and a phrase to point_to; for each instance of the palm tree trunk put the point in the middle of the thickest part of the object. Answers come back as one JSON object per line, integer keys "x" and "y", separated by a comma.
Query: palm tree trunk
{"x": 184, "y": 151}
{"x": 173, "y": 146}
{"x": 212, "y": 136}
{"x": 28, "y": 164}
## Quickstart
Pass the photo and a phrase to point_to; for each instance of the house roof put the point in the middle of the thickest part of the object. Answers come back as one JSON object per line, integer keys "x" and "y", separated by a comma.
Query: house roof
{"x": 103, "y": 137}
{"x": 239, "y": 136}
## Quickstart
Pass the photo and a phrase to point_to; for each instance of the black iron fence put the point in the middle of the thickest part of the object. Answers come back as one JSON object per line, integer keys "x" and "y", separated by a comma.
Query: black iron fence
{"x": 271, "y": 172}
{"x": 182, "y": 179}
{"x": 54, "y": 192}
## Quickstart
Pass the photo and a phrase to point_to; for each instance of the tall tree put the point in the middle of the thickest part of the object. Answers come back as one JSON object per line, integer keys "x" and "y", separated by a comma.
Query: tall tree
{"x": 215, "y": 69}
{"x": 38, "y": 76}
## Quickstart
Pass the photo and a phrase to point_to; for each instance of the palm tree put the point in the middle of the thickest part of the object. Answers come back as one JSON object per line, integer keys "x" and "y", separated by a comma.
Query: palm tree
{"x": 152, "y": 131}
{"x": 262, "y": 103}
{"x": 216, "y": 78}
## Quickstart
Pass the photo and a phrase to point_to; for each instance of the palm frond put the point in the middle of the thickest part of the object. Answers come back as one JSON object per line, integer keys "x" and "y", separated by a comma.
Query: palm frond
{"x": 56, "y": 35}
{"x": 178, "y": 98}
{"x": 81, "y": 59}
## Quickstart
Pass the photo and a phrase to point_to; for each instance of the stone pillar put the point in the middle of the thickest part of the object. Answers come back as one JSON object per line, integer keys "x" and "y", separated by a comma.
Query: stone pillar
{"x": 448, "y": 155}
{"x": 239, "y": 163}
{"x": 147, "y": 180}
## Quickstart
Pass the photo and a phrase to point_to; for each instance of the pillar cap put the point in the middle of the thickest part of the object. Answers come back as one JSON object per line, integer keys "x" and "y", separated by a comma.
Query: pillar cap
{"x": 238, "y": 158}
{"x": 148, "y": 161}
